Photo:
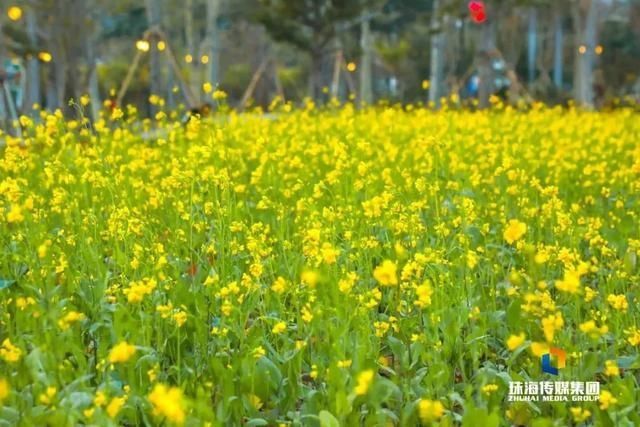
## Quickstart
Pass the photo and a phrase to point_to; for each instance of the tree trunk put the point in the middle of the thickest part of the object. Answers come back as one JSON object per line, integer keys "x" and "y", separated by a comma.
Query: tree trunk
{"x": 558, "y": 50}
{"x": 437, "y": 57}
{"x": 33, "y": 68}
{"x": 485, "y": 67}
{"x": 532, "y": 45}
{"x": 213, "y": 39}
{"x": 315, "y": 73}
{"x": 366, "y": 68}
{"x": 93, "y": 84}
{"x": 155, "y": 71}
{"x": 193, "y": 81}
{"x": 585, "y": 22}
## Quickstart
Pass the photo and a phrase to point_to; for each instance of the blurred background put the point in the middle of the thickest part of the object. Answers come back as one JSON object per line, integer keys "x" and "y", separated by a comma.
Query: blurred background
{"x": 116, "y": 52}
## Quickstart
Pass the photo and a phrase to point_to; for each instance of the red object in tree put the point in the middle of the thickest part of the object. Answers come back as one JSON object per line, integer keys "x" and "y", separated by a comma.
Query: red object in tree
{"x": 478, "y": 12}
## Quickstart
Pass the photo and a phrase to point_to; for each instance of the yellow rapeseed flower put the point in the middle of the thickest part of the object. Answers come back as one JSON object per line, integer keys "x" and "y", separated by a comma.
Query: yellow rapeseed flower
{"x": 430, "y": 410}
{"x": 515, "y": 231}
{"x": 363, "y": 382}
{"x": 168, "y": 402}
{"x": 15, "y": 214}
{"x": 122, "y": 352}
{"x": 4, "y": 390}
{"x": 515, "y": 341}
{"x": 9, "y": 352}
{"x": 618, "y": 302}
{"x": 607, "y": 400}
{"x": 113, "y": 408}
{"x": 423, "y": 293}
{"x": 386, "y": 273}
{"x": 279, "y": 328}
{"x": 611, "y": 368}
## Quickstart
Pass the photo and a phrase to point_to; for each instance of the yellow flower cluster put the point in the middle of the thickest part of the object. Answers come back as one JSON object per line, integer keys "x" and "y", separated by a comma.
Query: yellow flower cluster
{"x": 168, "y": 402}
{"x": 121, "y": 352}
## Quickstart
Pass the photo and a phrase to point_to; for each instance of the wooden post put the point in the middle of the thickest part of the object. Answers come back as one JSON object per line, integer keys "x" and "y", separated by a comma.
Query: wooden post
{"x": 253, "y": 83}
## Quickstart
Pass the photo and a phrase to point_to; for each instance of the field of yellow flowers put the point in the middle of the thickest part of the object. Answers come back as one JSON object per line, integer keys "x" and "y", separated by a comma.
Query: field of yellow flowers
{"x": 391, "y": 266}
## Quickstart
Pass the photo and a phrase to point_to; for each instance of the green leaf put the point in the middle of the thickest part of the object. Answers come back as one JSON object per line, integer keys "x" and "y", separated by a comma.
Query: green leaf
{"x": 257, "y": 422}
{"x": 327, "y": 419}
{"x": 629, "y": 362}
{"x": 6, "y": 283}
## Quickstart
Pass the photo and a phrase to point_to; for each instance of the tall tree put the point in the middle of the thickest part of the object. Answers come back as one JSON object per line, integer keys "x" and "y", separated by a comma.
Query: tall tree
{"x": 309, "y": 25}
{"x": 33, "y": 67}
{"x": 213, "y": 40}
{"x": 585, "y": 20}
{"x": 155, "y": 71}
{"x": 558, "y": 46}
{"x": 436, "y": 59}
{"x": 366, "y": 66}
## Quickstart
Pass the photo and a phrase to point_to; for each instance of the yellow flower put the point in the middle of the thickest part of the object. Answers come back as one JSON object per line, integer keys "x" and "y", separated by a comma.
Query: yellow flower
{"x": 346, "y": 283}
{"x": 279, "y": 328}
{"x": 580, "y": 415}
{"x": 259, "y": 352}
{"x": 551, "y": 324}
{"x": 430, "y": 410}
{"x": 4, "y": 390}
{"x": 363, "y": 382}
{"x": 386, "y": 273}
{"x": 314, "y": 372}
{"x": 279, "y": 286}
{"x": 153, "y": 372}
{"x": 633, "y": 336}
{"x": 570, "y": 283}
{"x": 121, "y": 353}
{"x": 15, "y": 214}
{"x": 207, "y": 87}
{"x": 69, "y": 319}
{"x": 344, "y": 363}
{"x": 219, "y": 95}
{"x": 489, "y": 388}
{"x": 424, "y": 292}
{"x": 541, "y": 256}
{"x": 47, "y": 397}
{"x": 515, "y": 231}
{"x": 329, "y": 253}
{"x": 307, "y": 315}
{"x": 136, "y": 291}
{"x": 168, "y": 402}
{"x": 310, "y": 278}
{"x": 611, "y": 368}
{"x": 606, "y": 400}
{"x": 515, "y": 341}
{"x": 589, "y": 294}
{"x": 100, "y": 399}
{"x": 618, "y": 302}
{"x": 180, "y": 318}
{"x": 255, "y": 401}
{"x": 9, "y": 352}
{"x": 539, "y": 348}
{"x": 590, "y": 328}
{"x": 113, "y": 408}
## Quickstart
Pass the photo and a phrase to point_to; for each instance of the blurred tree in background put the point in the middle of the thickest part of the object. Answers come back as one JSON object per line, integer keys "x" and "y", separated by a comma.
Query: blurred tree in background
{"x": 369, "y": 50}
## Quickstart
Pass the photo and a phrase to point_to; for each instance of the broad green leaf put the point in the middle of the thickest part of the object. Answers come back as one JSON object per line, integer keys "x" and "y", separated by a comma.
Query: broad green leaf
{"x": 6, "y": 283}
{"x": 327, "y": 419}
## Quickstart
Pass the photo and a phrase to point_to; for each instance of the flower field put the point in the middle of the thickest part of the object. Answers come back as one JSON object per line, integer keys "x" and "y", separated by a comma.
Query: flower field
{"x": 322, "y": 267}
